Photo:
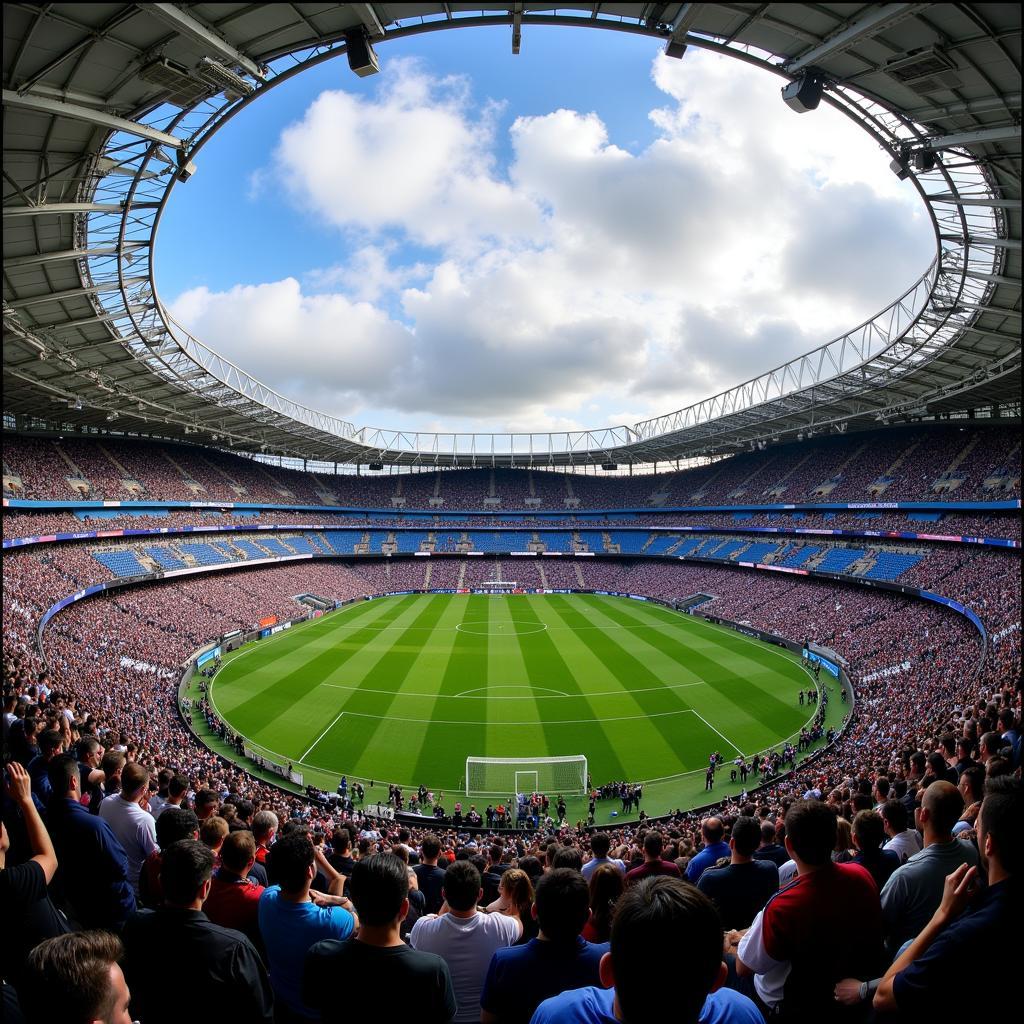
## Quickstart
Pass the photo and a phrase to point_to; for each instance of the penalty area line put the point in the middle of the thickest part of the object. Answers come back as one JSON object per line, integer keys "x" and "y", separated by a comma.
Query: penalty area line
{"x": 321, "y": 736}
{"x": 714, "y": 730}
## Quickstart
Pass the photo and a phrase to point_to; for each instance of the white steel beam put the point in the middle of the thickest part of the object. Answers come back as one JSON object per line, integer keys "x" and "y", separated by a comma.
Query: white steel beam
{"x": 868, "y": 25}
{"x": 368, "y": 16}
{"x": 1007, "y": 133}
{"x": 683, "y": 22}
{"x": 57, "y": 108}
{"x": 204, "y": 37}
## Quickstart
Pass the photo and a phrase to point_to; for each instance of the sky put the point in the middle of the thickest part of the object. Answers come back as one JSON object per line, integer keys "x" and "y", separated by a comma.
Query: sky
{"x": 584, "y": 235}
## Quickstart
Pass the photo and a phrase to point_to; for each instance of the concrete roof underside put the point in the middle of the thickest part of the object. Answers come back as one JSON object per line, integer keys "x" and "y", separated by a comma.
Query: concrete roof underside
{"x": 105, "y": 106}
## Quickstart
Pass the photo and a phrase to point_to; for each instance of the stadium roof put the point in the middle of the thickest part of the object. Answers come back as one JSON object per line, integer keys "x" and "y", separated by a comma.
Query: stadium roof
{"x": 108, "y": 106}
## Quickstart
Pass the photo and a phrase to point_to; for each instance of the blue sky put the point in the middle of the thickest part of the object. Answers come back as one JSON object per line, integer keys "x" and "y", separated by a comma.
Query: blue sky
{"x": 588, "y": 233}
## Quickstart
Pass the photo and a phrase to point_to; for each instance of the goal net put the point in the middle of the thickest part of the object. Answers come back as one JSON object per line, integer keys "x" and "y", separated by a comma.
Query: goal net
{"x": 505, "y": 776}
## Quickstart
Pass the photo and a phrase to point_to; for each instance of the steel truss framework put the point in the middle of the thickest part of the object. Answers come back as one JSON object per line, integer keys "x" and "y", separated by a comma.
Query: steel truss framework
{"x": 91, "y": 157}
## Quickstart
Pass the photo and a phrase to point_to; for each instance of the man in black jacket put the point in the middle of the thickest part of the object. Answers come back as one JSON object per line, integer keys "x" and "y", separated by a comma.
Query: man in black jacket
{"x": 225, "y": 975}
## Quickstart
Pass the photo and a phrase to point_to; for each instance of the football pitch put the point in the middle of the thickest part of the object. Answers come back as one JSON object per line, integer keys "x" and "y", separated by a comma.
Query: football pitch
{"x": 403, "y": 689}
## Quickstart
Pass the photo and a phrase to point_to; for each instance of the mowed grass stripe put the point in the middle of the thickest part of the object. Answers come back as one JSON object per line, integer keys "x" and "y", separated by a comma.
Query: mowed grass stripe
{"x": 737, "y": 671}
{"x": 627, "y": 657}
{"x": 265, "y": 660}
{"x": 514, "y": 658}
{"x": 388, "y": 674}
{"x": 425, "y": 676}
{"x": 307, "y": 674}
{"x": 544, "y": 661}
{"x": 467, "y": 658}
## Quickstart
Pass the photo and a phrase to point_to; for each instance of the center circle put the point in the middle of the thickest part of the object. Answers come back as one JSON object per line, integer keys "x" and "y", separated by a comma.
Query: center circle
{"x": 508, "y": 627}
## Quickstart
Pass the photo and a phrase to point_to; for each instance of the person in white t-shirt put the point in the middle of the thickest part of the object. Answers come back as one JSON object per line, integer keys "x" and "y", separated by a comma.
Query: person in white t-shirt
{"x": 600, "y": 844}
{"x": 903, "y": 841}
{"x": 464, "y": 938}
{"x": 134, "y": 827}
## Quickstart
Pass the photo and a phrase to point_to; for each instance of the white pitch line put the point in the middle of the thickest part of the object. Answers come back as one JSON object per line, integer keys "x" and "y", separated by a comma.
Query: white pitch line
{"x": 321, "y": 736}
{"x": 714, "y": 730}
{"x": 535, "y": 721}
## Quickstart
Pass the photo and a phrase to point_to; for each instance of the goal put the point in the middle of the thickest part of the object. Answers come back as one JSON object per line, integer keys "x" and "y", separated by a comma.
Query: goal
{"x": 504, "y": 776}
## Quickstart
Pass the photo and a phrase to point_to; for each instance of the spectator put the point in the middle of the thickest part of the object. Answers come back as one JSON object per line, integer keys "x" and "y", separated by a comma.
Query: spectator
{"x": 292, "y": 917}
{"x": 742, "y": 888}
{"x": 600, "y": 844}
{"x": 914, "y": 891}
{"x": 653, "y": 863}
{"x": 170, "y": 828}
{"x": 234, "y": 898}
{"x": 377, "y": 960}
{"x": 51, "y": 746}
{"x": 93, "y": 873}
{"x": 213, "y": 830}
{"x": 429, "y": 876}
{"x": 515, "y": 900}
{"x": 206, "y": 804}
{"x": 666, "y": 952}
{"x": 496, "y": 867}
{"x": 769, "y": 848}
{"x": 973, "y": 933}
{"x": 868, "y": 837}
{"x": 465, "y": 938}
{"x": 226, "y": 979}
{"x": 822, "y": 928}
{"x": 606, "y": 886}
{"x": 521, "y": 977}
{"x": 76, "y": 979}
{"x": 264, "y": 828}
{"x": 341, "y": 858}
{"x": 133, "y": 826}
{"x": 902, "y": 841}
{"x": 29, "y": 915}
{"x": 715, "y": 847}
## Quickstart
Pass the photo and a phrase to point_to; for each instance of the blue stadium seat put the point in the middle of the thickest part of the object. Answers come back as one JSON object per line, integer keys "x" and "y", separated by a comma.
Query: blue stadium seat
{"x": 630, "y": 541}
{"x": 560, "y": 540}
{"x": 343, "y": 541}
{"x": 120, "y": 563}
{"x": 797, "y": 558}
{"x": 204, "y": 554}
{"x": 839, "y": 559}
{"x": 890, "y": 565}
{"x": 165, "y": 557}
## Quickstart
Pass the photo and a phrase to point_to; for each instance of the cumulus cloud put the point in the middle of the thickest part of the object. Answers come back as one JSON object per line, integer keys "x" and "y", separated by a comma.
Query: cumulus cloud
{"x": 571, "y": 279}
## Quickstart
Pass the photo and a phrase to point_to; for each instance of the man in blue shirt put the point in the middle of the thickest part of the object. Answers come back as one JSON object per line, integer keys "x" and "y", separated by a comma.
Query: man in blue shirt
{"x": 715, "y": 847}
{"x": 292, "y": 918}
{"x": 92, "y": 865}
{"x": 666, "y": 953}
{"x": 957, "y": 943}
{"x": 521, "y": 977}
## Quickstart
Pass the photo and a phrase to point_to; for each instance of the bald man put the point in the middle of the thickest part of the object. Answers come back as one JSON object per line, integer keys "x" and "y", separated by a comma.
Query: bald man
{"x": 715, "y": 847}
{"x": 914, "y": 890}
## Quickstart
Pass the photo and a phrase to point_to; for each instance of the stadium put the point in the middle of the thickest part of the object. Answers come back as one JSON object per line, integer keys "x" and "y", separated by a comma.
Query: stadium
{"x": 715, "y": 710}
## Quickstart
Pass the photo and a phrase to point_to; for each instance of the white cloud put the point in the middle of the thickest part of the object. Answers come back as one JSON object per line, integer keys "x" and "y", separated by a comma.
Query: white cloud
{"x": 580, "y": 280}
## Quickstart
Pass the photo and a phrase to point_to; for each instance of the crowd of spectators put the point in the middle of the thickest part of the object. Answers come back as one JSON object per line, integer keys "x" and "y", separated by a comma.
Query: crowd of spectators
{"x": 836, "y": 468}
{"x": 883, "y": 870}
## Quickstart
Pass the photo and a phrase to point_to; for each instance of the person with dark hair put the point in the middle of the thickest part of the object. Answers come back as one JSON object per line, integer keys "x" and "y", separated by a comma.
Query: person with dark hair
{"x": 745, "y": 885}
{"x": 464, "y": 937}
{"x": 377, "y": 960}
{"x": 666, "y": 955}
{"x": 93, "y": 872}
{"x": 29, "y": 913}
{"x": 914, "y": 890}
{"x": 972, "y": 934}
{"x": 868, "y": 837}
{"x": 824, "y": 926}
{"x": 429, "y": 876}
{"x": 234, "y": 897}
{"x": 341, "y": 858}
{"x": 715, "y": 847}
{"x": 520, "y": 978}
{"x": 497, "y": 865}
{"x": 90, "y": 753}
{"x": 134, "y": 827}
{"x": 170, "y": 828}
{"x": 226, "y": 978}
{"x": 653, "y": 863}
{"x": 606, "y": 886}
{"x": 76, "y": 979}
{"x": 600, "y": 845}
{"x": 292, "y": 916}
{"x": 902, "y": 841}
{"x": 568, "y": 857}
{"x": 51, "y": 746}
{"x": 206, "y": 803}
{"x": 769, "y": 848}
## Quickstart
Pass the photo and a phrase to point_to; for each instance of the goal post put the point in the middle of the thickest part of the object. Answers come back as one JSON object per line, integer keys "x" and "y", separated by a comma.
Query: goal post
{"x": 504, "y": 776}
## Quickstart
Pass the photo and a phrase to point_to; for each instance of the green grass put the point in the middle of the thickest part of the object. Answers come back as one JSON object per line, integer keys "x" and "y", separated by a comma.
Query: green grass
{"x": 403, "y": 689}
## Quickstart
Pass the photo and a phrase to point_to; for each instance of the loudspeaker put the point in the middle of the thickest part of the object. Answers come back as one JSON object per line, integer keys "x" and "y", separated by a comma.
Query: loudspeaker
{"x": 361, "y": 57}
{"x": 376, "y": 467}
{"x": 803, "y": 94}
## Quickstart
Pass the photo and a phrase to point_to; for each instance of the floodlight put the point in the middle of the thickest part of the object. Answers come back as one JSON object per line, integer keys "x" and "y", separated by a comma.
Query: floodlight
{"x": 804, "y": 93}
{"x": 361, "y": 56}
{"x": 185, "y": 166}
{"x": 228, "y": 81}
{"x": 924, "y": 160}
